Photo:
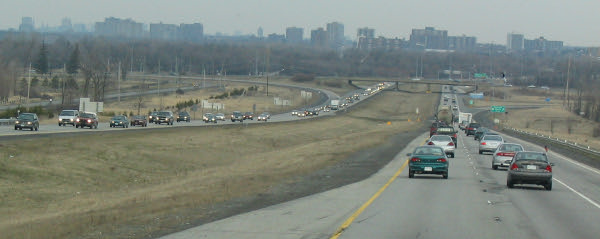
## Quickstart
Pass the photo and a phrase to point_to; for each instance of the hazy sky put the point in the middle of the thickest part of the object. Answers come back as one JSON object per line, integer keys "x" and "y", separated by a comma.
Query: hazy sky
{"x": 576, "y": 22}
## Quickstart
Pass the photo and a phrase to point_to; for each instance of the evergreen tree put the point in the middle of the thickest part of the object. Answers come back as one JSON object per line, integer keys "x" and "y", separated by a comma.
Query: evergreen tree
{"x": 41, "y": 65}
{"x": 73, "y": 63}
{"x": 54, "y": 83}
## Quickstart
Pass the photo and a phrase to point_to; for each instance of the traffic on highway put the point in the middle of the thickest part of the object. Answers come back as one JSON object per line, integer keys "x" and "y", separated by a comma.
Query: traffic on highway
{"x": 495, "y": 187}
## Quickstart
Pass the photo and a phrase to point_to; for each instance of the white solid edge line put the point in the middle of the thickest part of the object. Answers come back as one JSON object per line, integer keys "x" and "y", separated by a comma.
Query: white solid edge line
{"x": 578, "y": 193}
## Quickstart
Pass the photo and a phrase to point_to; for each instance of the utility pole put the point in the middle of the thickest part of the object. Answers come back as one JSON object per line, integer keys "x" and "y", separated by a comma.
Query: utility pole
{"x": 567, "y": 85}
{"x": 119, "y": 81}
{"x": 28, "y": 85}
{"x": 203, "y": 78}
{"x": 268, "y": 55}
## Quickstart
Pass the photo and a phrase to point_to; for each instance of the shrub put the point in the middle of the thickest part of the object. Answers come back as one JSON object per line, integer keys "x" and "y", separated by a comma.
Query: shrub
{"x": 303, "y": 77}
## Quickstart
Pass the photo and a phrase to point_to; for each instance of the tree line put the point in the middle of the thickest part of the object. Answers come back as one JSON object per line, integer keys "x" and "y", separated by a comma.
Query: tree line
{"x": 95, "y": 61}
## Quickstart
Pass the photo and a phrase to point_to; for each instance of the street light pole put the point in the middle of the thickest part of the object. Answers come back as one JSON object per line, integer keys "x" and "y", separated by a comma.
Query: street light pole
{"x": 28, "y": 85}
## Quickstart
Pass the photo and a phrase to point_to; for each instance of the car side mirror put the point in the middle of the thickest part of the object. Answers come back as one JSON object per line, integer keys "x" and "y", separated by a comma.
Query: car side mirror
{"x": 408, "y": 154}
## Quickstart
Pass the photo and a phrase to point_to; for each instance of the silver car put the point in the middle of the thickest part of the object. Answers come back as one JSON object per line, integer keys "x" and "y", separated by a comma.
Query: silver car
{"x": 489, "y": 143}
{"x": 530, "y": 168}
{"x": 220, "y": 116}
{"x": 504, "y": 154}
{"x": 443, "y": 141}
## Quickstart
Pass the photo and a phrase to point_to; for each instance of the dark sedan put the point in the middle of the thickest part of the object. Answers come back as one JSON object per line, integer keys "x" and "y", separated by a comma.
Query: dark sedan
{"x": 139, "y": 120}
{"x": 249, "y": 115}
{"x": 27, "y": 120}
{"x": 530, "y": 168}
{"x": 184, "y": 116}
{"x": 119, "y": 120}
{"x": 428, "y": 160}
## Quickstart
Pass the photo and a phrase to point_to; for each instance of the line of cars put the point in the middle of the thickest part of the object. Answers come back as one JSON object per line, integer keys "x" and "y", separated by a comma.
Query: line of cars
{"x": 523, "y": 167}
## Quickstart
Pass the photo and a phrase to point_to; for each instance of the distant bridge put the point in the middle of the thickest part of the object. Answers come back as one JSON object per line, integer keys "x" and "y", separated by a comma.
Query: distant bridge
{"x": 422, "y": 82}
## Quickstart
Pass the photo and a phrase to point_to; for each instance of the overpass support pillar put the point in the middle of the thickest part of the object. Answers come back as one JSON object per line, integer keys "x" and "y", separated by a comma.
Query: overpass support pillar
{"x": 397, "y": 86}
{"x": 429, "y": 88}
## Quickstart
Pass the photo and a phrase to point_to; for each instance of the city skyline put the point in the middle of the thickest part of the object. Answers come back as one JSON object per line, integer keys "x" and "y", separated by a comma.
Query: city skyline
{"x": 552, "y": 20}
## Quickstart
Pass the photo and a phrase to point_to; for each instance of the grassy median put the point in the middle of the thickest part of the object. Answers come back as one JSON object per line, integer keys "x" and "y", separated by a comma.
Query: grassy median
{"x": 88, "y": 186}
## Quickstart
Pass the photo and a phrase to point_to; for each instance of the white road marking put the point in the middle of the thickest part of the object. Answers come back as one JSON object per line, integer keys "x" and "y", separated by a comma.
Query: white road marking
{"x": 578, "y": 193}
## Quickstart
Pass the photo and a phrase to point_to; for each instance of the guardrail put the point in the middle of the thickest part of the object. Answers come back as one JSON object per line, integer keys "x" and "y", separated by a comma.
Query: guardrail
{"x": 7, "y": 121}
{"x": 564, "y": 142}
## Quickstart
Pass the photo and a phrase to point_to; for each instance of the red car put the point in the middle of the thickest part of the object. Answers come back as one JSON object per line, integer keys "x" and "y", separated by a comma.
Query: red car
{"x": 87, "y": 119}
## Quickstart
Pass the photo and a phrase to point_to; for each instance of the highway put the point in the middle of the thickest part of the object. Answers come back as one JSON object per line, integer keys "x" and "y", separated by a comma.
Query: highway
{"x": 473, "y": 203}
{"x": 8, "y": 130}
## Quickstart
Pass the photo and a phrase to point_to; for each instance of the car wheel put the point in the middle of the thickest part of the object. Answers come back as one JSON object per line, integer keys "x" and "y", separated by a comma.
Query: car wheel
{"x": 445, "y": 175}
{"x": 411, "y": 174}
{"x": 36, "y": 128}
{"x": 495, "y": 167}
{"x": 76, "y": 126}
{"x": 59, "y": 124}
{"x": 31, "y": 129}
{"x": 548, "y": 185}
{"x": 480, "y": 152}
{"x": 510, "y": 184}
{"x": 96, "y": 126}
{"x": 16, "y": 128}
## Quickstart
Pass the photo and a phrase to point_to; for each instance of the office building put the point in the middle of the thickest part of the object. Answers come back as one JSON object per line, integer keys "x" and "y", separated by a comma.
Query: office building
{"x": 429, "y": 38}
{"x": 294, "y": 35}
{"x": 515, "y": 42}
{"x": 26, "y": 25}
{"x": 335, "y": 34}
{"x": 191, "y": 32}
{"x": 116, "y": 27}
{"x": 462, "y": 43}
{"x": 160, "y": 31}
{"x": 319, "y": 37}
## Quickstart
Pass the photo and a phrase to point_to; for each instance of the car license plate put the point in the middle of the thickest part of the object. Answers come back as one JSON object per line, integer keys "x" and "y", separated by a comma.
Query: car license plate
{"x": 531, "y": 167}
{"x": 428, "y": 169}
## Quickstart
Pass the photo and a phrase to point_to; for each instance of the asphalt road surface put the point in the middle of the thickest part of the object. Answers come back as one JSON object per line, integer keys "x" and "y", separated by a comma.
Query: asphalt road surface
{"x": 473, "y": 203}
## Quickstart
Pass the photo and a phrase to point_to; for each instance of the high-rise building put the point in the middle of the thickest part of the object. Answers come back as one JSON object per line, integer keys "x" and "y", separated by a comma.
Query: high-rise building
{"x": 116, "y": 27}
{"x": 26, "y": 25}
{"x": 364, "y": 38}
{"x": 515, "y": 42}
{"x": 294, "y": 34}
{"x": 365, "y": 33}
{"x": 259, "y": 32}
{"x": 541, "y": 44}
{"x": 66, "y": 25}
{"x": 162, "y": 31}
{"x": 429, "y": 38}
{"x": 319, "y": 37}
{"x": 335, "y": 34}
{"x": 462, "y": 43}
{"x": 191, "y": 32}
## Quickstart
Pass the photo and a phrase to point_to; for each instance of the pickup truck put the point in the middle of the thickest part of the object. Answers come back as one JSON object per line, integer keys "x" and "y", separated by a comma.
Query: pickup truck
{"x": 447, "y": 130}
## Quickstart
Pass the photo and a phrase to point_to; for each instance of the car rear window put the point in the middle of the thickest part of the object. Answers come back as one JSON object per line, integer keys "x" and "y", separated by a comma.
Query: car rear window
{"x": 429, "y": 151}
{"x": 531, "y": 157}
{"x": 492, "y": 137}
{"x": 509, "y": 147}
{"x": 441, "y": 138}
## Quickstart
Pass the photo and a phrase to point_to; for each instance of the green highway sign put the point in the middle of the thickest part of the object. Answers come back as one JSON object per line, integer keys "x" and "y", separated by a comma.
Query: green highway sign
{"x": 480, "y": 75}
{"x": 498, "y": 109}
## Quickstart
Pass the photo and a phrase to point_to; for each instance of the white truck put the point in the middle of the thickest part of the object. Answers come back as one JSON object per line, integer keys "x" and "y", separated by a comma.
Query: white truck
{"x": 464, "y": 119}
{"x": 335, "y": 104}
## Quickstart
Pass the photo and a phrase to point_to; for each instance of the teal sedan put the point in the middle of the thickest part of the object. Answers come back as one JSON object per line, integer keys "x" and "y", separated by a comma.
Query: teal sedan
{"x": 428, "y": 160}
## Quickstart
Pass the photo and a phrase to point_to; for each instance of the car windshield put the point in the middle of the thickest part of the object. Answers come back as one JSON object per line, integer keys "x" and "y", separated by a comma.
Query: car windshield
{"x": 138, "y": 117}
{"x": 86, "y": 115}
{"x": 119, "y": 117}
{"x": 183, "y": 114}
{"x": 67, "y": 113}
{"x": 25, "y": 117}
{"x": 164, "y": 114}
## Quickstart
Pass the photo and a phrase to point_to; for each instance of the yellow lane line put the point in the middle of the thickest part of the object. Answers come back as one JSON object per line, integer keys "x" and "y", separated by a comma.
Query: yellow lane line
{"x": 349, "y": 221}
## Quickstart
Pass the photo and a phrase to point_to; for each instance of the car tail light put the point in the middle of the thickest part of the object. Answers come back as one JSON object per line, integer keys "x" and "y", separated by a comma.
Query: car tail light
{"x": 430, "y": 143}
{"x": 451, "y": 144}
{"x": 514, "y": 166}
{"x": 483, "y": 143}
{"x": 415, "y": 159}
{"x": 548, "y": 168}
{"x": 469, "y": 128}
{"x": 454, "y": 135}
{"x": 443, "y": 160}
{"x": 505, "y": 154}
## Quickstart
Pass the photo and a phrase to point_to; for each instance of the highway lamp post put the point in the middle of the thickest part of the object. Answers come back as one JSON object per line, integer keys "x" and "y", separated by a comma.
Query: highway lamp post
{"x": 28, "y": 85}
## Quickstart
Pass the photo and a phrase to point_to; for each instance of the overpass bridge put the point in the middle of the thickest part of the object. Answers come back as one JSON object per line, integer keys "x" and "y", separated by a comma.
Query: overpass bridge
{"x": 474, "y": 86}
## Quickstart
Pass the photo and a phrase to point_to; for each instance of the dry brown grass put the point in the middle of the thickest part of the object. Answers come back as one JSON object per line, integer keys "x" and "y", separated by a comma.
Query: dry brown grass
{"x": 86, "y": 186}
{"x": 549, "y": 119}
